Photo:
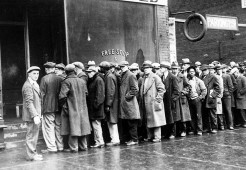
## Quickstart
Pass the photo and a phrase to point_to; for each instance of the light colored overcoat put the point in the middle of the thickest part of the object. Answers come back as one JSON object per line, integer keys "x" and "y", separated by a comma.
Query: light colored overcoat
{"x": 151, "y": 100}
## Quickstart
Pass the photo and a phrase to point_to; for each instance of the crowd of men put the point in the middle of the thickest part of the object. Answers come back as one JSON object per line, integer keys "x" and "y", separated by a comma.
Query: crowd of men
{"x": 114, "y": 104}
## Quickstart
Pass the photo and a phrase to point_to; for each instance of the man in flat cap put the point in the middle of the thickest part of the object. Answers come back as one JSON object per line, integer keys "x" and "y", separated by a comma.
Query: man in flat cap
{"x": 213, "y": 91}
{"x": 74, "y": 116}
{"x": 79, "y": 70}
{"x": 95, "y": 103}
{"x": 32, "y": 112}
{"x": 50, "y": 87}
{"x": 60, "y": 70}
{"x": 129, "y": 108}
{"x": 170, "y": 100}
{"x": 111, "y": 102}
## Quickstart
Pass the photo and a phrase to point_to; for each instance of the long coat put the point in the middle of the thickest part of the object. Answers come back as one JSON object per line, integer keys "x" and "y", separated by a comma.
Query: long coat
{"x": 241, "y": 92}
{"x": 129, "y": 108}
{"x": 151, "y": 100}
{"x": 74, "y": 116}
{"x": 234, "y": 82}
{"x": 213, "y": 90}
{"x": 83, "y": 76}
{"x": 183, "y": 106}
{"x": 50, "y": 86}
{"x": 112, "y": 97}
{"x": 31, "y": 101}
{"x": 96, "y": 97}
{"x": 171, "y": 98}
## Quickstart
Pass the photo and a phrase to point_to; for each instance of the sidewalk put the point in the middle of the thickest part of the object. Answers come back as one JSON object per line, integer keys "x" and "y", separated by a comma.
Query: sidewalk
{"x": 224, "y": 150}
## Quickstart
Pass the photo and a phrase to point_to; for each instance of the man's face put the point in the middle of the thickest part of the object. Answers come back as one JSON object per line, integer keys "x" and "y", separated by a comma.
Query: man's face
{"x": 211, "y": 71}
{"x": 198, "y": 68}
{"x": 192, "y": 72}
{"x": 34, "y": 75}
{"x": 219, "y": 71}
{"x": 236, "y": 74}
{"x": 134, "y": 71}
{"x": 163, "y": 69}
{"x": 185, "y": 66}
{"x": 123, "y": 68}
{"x": 91, "y": 74}
{"x": 58, "y": 71}
{"x": 147, "y": 70}
{"x": 175, "y": 71}
{"x": 205, "y": 72}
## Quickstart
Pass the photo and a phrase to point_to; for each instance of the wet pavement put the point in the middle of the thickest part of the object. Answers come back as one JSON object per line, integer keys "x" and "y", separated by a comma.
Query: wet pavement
{"x": 224, "y": 150}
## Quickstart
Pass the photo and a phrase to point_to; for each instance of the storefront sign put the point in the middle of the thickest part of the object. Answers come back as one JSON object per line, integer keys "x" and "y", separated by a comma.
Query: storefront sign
{"x": 243, "y": 3}
{"x": 222, "y": 22}
{"x": 172, "y": 40}
{"x": 114, "y": 52}
{"x": 155, "y": 2}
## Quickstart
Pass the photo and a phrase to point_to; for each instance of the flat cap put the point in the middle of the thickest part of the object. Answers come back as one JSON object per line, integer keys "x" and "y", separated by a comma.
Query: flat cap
{"x": 147, "y": 64}
{"x": 70, "y": 67}
{"x": 185, "y": 61}
{"x": 32, "y": 68}
{"x": 198, "y": 63}
{"x": 49, "y": 65}
{"x": 91, "y": 68}
{"x": 204, "y": 67}
{"x": 91, "y": 63}
{"x": 175, "y": 65}
{"x": 211, "y": 66}
{"x": 60, "y": 66}
{"x": 134, "y": 66}
{"x": 104, "y": 64}
{"x": 156, "y": 65}
{"x": 219, "y": 66}
{"x": 79, "y": 65}
{"x": 123, "y": 63}
{"x": 165, "y": 64}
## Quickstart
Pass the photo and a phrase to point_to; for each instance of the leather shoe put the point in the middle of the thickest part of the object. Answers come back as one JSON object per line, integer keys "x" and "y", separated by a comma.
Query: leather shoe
{"x": 131, "y": 142}
{"x": 112, "y": 144}
{"x": 171, "y": 137}
{"x": 156, "y": 140}
{"x": 37, "y": 158}
{"x": 244, "y": 125}
{"x": 199, "y": 133}
{"x": 98, "y": 146}
{"x": 47, "y": 151}
{"x": 183, "y": 134}
{"x": 231, "y": 128}
{"x": 214, "y": 131}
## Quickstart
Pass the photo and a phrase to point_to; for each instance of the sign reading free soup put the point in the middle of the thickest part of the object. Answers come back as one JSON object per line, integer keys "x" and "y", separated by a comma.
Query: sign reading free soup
{"x": 222, "y": 22}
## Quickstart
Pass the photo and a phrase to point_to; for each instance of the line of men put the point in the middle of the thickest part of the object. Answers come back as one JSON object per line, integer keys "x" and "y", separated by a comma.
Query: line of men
{"x": 162, "y": 101}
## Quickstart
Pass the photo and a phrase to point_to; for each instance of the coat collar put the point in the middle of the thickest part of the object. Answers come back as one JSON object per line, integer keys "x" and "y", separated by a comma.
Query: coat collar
{"x": 34, "y": 87}
{"x": 124, "y": 75}
{"x": 149, "y": 83}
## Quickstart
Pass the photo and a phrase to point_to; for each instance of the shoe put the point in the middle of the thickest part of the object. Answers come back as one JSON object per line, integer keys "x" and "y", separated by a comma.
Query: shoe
{"x": 70, "y": 150}
{"x": 98, "y": 146}
{"x": 83, "y": 149}
{"x": 112, "y": 143}
{"x": 37, "y": 158}
{"x": 183, "y": 134}
{"x": 171, "y": 137}
{"x": 222, "y": 128}
{"x": 244, "y": 125}
{"x": 39, "y": 155}
{"x": 156, "y": 140}
{"x": 231, "y": 128}
{"x": 131, "y": 142}
{"x": 147, "y": 140}
{"x": 190, "y": 133}
{"x": 47, "y": 151}
{"x": 214, "y": 131}
{"x": 199, "y": 133}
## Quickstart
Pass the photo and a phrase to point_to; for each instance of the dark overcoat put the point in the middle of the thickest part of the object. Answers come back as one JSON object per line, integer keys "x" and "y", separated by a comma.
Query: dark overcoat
{"x": 129, "y": 108}
{"x": 227, "y": 85}
{"x": 96, "y": 97}
{"x": 213, "y": 90}
{"x": 112, "y": 97}
{"x": 31, "y": 102}
{"x": 171, "y": 98}
{"x": 183, "y": 106}
{"x": 151, "y": 100}
{"x": 241, "y": 92}
{"x": 234, "y": 82}
{"x": 50, "y": 86}
{"x": 74, "y": 116}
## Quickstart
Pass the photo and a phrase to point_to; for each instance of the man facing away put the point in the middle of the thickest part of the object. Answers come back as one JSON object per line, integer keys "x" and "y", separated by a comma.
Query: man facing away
{"x": 50, "y": 87}
{"x": 32, "y": 112}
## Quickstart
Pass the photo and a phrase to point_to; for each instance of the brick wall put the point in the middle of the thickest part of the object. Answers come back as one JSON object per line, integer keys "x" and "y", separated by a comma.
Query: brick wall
{"x": 220, "y": 45}
{"x": 162, "y": 33}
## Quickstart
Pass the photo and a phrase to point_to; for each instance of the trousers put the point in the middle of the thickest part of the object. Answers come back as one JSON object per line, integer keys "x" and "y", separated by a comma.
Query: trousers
{"x": 113, "y": 131}
{"x": 98, "y": 134}
{"x": 31, "y": 139}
